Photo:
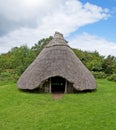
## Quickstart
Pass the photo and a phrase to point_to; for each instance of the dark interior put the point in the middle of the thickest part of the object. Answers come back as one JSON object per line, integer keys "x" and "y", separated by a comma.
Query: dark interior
{"x": 57, "y": 85}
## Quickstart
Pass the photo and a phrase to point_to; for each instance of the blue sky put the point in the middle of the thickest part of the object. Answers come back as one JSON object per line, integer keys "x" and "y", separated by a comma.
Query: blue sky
{"x": 103, "y": 28}
{"x": 86, "y": 24}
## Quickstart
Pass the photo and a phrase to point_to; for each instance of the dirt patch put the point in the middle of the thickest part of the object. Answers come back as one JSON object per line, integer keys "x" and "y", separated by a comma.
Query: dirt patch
{"x": 57, "y": 95}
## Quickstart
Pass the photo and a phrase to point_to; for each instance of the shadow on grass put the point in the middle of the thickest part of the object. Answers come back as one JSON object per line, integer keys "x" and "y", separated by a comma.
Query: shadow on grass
{"x": 36, "y": 91}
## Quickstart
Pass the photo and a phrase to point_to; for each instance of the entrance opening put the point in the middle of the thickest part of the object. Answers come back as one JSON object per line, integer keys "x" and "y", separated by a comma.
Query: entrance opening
{"x": 57, "y": 85}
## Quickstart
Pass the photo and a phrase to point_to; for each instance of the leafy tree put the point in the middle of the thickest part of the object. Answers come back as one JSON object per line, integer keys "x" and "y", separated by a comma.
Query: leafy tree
{"x": 114, "y": 67}
{"x": 37, "y": 48}
{"x": 92, "y": 60}
{"x": 109, "y": 64}
{"x": 5, "y": 61}
{"x": 21, "y": 58}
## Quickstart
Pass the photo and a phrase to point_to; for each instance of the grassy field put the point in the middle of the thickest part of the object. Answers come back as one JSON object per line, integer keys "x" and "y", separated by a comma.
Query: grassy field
{"x": 84, "y": 111}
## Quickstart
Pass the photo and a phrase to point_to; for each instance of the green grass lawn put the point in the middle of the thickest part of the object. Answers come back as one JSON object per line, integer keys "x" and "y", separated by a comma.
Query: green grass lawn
{"x": 84, "y": 111}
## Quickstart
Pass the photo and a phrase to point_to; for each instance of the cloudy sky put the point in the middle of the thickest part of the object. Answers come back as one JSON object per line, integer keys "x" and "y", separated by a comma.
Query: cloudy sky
{"x": 86, "y": 24}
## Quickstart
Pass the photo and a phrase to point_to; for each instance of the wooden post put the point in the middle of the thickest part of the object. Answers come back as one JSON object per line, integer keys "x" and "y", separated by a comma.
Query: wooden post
{"x": 65, "y": 86}
{"x": 50, "y": 86}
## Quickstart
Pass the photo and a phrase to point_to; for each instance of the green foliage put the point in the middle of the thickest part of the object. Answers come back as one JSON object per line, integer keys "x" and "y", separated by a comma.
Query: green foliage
{"x": 5, "y": 74}
{"x": 21, "y": 58}
{"x": 109, "y": 65}
{"x": 112, "y": 77}
{"x": 5, "y": 61}
{"x": 0, "y": 70}
{"x": 114, "y": 67}
{"x": 9, "y": 75}
{"x": 97, "y": 63}
{"x": 37, "y": 48}
{"x": 94, "y": 65}
{"x": 92, "y": 60}
{"x": 99, "y": 75}
{"x": 84, "y": 111}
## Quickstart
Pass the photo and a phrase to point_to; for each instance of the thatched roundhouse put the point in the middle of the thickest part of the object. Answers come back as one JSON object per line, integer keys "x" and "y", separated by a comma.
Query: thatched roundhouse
{"x": 57, "y": 69}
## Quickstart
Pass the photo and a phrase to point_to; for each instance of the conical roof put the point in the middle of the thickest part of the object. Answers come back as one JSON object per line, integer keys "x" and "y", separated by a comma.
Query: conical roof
{"x": 57, "y": 59}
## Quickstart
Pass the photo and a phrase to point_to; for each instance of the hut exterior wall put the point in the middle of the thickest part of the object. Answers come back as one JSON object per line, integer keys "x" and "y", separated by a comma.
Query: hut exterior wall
{"x": 69, "y": 87}
{"x": 46, "y": 87}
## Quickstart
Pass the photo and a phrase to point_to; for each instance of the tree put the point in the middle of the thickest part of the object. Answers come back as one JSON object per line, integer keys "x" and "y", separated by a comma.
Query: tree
{"x": 109, "y": 64}
{"x": 92, "y": 60}
{"x": 5, "y": 61}
{"x": 37, "y": 48}
{"x": 21, "y": 58}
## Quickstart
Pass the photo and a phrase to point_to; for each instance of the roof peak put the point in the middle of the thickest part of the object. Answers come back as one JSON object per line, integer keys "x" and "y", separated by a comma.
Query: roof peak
{"x": 58, "y": 40}
{"x": 58, "y": 35}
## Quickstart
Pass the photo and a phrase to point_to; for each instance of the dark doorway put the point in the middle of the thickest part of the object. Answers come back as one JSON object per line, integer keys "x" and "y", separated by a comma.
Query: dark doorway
{"x": 57, "y": 85}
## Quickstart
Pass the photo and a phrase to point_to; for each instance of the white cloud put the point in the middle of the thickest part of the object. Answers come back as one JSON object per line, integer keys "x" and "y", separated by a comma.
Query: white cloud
{"x": 89, "y": 42}
{"x": 26, "y": 21}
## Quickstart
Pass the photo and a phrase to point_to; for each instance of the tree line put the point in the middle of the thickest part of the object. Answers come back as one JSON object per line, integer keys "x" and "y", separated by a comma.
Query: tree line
{"x": 14, "y": 62}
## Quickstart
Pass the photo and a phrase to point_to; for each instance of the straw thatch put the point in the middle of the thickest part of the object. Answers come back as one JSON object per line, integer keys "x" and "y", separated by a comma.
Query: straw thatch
{"x": 57, "y": 59}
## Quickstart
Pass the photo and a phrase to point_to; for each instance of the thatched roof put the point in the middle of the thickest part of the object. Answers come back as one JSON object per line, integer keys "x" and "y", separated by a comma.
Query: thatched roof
{"x": 57, "y": 59}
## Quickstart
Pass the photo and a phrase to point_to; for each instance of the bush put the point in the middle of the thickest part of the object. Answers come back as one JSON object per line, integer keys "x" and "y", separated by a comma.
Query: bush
{"x": 8, "y": 76}
{"x": 0, "y": 70}
{"x": 5, "y": 74}
{"x": 112, "y": 77}
{"x": 99, "y": 75}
